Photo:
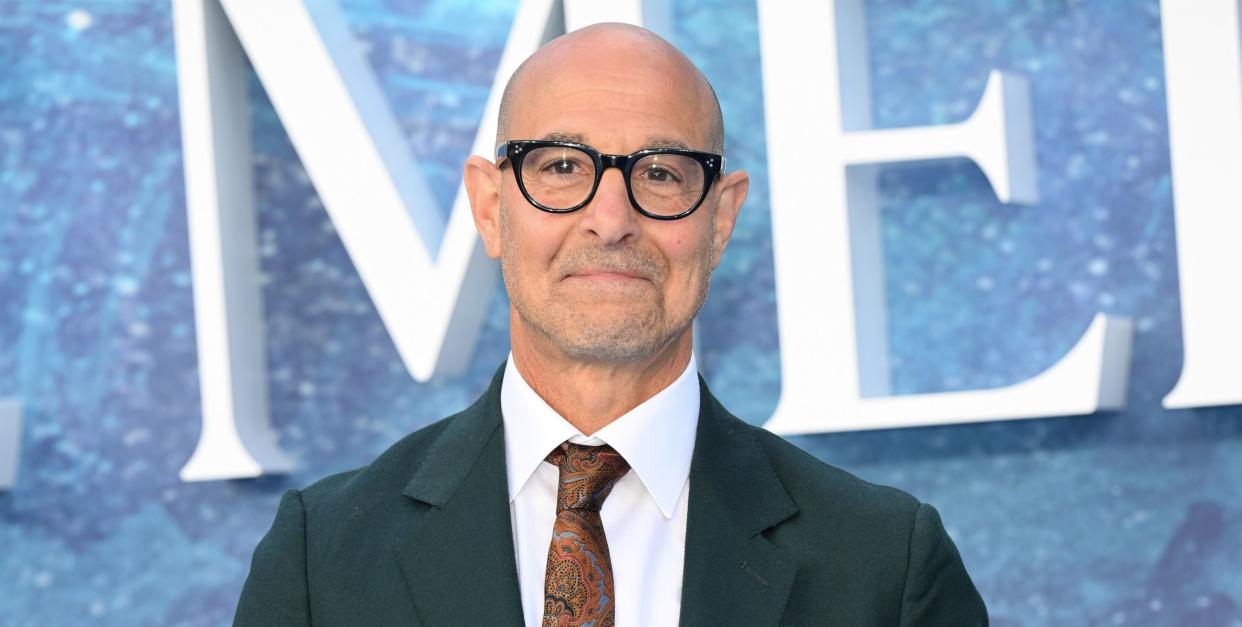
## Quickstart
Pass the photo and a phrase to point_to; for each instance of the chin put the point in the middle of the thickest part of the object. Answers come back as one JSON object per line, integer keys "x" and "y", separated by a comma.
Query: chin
{"x": 626, "y": 339}
{"x": 603, "y": 330}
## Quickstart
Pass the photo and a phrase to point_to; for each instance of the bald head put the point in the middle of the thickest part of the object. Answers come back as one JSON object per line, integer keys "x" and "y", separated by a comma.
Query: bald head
{"x": 592, "y": 53}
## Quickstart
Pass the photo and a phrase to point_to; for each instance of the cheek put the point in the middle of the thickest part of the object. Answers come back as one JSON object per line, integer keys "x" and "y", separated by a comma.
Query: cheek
{"x": 684, "y": 250}
{"x": 531, "y": 238}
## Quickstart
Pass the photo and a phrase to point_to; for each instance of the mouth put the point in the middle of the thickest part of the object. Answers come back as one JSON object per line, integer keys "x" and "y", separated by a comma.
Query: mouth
{"x": 603, "y": 274}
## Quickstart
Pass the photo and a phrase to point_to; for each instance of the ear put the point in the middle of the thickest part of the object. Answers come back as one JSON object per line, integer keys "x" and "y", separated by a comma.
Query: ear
{"x": 733, "y": 189}
{"x": 482, "y": 179}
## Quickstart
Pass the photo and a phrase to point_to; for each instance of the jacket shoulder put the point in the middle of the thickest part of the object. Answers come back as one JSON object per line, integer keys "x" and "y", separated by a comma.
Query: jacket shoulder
{"x": 384, "y": 477}
{"x": 880, "y": 549}
{"x": 812, "y": 482}
{"x": 334, "y": 552}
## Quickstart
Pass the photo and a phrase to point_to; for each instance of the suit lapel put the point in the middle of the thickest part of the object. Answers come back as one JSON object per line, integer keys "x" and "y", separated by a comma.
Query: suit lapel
{"x": 733, "y": 575}
{"x": 459, "y": 561}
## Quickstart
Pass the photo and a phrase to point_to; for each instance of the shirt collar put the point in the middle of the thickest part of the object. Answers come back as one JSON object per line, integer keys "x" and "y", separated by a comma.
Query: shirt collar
{"x": 656, "y": 438}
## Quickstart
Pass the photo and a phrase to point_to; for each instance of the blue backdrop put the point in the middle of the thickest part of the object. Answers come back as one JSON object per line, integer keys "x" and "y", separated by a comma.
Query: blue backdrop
{"x": 1128, "y": 518}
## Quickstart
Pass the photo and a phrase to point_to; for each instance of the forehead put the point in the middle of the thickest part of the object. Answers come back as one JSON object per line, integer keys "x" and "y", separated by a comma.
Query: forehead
{"x": 618, "y": 99}
{"x": 650, "y": 141}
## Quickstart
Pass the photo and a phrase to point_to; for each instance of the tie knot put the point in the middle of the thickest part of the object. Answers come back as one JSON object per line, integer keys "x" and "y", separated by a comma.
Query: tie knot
{"x": 587, "y": 474}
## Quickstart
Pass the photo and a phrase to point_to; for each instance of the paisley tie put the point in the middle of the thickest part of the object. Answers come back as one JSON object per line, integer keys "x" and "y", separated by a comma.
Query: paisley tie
{"x": 577, "y": 585}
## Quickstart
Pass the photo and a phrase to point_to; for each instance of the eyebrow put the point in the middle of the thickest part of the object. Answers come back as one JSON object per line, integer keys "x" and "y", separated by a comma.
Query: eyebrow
{"x": 577, "y": 138}
{"x": 652, "y": 142}
{"x": 666, "y": 142}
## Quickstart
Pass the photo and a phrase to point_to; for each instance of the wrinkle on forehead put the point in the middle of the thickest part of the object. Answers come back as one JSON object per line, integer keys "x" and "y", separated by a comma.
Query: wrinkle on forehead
{"x": 611, "y": 50}
{"x": 653, "y": 141}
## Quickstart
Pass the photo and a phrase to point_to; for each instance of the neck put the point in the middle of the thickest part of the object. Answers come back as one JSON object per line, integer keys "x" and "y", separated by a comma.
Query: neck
{"x": 592, "y": 394}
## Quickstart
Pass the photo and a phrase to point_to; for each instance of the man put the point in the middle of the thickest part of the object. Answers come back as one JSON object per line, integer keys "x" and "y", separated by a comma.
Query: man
{"x": 598, "y": 480}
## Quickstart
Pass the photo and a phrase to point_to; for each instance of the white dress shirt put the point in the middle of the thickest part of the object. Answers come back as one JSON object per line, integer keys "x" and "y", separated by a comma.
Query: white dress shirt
{"x": 645, "y": 515}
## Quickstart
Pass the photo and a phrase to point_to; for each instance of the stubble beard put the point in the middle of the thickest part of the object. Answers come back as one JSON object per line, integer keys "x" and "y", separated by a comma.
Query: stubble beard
{"x": 631, "y": 335}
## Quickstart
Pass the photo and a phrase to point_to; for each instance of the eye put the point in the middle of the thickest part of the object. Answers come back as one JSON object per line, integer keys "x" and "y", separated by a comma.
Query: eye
{"x": 565, "y": 163}
{"x": 660, "y": 174}
{"x": 562, "y": 166}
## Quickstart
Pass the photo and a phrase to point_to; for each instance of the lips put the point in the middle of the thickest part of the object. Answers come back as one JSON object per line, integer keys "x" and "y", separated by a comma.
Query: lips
{"x": 616, "y": 265}
{"x": 605, "y": 274}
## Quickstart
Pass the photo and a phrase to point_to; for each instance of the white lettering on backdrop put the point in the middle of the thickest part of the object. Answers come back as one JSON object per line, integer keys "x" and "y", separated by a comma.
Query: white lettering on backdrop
{"x": 1203, "y": 78}
{"x": 236, "y": 438}
{"x": 10, "y": 441}
{"x": 822, "y": 159}
{"x": 328, "y": 99}
{"x": 431, "y": 301}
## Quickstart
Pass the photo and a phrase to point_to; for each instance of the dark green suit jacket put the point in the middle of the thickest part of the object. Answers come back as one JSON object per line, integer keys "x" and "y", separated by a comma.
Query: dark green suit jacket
{"x": 422, "y": 536}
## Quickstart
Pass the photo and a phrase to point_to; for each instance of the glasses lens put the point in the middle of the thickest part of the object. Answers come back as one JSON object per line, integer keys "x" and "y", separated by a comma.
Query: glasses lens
{"x": 558, "y": 177}
{"x": 667, "y": 184}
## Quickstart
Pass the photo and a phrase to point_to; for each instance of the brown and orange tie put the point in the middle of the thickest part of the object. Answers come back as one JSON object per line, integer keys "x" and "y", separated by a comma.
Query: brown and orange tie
{"x": 577, "y": 586}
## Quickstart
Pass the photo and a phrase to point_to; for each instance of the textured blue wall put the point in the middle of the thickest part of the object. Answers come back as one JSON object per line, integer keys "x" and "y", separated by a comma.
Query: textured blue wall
{"x": 1124, "y": 518}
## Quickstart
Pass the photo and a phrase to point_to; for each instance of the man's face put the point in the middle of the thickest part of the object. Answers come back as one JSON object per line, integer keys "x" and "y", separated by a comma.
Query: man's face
{"x": 606, "y": 283}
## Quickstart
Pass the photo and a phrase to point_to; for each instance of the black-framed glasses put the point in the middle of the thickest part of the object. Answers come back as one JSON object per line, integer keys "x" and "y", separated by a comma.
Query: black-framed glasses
{"x": 560, "y": 177}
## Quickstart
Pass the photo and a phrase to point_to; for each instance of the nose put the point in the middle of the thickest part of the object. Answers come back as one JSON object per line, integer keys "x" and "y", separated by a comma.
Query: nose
{"x": 609, "y": 215}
